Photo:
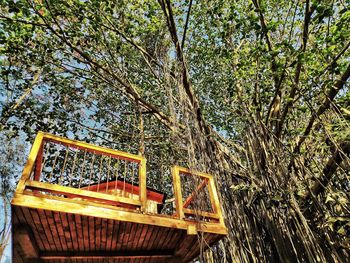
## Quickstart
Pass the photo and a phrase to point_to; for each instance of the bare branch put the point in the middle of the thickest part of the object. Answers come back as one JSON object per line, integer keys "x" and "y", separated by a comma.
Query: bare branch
{"x": 186, "y": 25}
{"x": 332, "y": 92}
{"x": 334, "y": 61}
{"x": 167, "y": 9}
{"x": 307, "y": 18}
{"x": 331, "y": 167}
{"x": 277, "y": 81}
{"x": 27, "y": 91}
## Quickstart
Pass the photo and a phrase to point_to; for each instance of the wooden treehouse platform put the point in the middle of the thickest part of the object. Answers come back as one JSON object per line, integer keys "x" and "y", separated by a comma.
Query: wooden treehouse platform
{"x": 77, "y": 202}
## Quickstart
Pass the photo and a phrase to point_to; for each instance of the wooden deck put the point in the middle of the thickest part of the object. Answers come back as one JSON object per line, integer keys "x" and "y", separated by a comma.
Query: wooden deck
{"x": 66, "y": 237}
{"x": 55, "y": 223}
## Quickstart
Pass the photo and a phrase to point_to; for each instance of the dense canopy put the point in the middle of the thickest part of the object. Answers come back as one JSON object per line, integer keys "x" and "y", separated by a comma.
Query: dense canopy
{"x": 255, "y": 92}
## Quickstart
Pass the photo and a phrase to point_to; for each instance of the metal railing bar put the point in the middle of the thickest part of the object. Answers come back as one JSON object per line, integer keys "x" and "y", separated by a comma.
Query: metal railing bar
{"x": 108, "y": 171}
{"x": 116, "y": 166}
{"x": 53, "y": 166}
{"x": 82, "y": 170}
{"x": 91, "y": 170}
{"x": 64, "y": 165}
{"x": 100, "y": 174}
{"x": 73, "y": 168}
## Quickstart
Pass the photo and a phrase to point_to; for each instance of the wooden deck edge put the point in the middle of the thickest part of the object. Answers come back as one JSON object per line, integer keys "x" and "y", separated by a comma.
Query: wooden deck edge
{"x": 88, "y": 209}
{"x": 148, "y": 254}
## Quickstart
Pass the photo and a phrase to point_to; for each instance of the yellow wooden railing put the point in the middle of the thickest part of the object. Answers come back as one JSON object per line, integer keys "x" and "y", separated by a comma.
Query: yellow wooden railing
{"x": 202, "y": 189}
{"x": 195, "y": 194}
{"x": 33, "y": 180}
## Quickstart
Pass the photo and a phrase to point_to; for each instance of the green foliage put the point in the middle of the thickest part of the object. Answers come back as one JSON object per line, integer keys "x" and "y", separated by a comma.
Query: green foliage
{"x": 264, "y": 74}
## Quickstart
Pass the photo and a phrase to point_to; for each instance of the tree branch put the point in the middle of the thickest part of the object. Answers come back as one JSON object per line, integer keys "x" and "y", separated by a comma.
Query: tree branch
{"x": 334, "y": 61}
{"x": 167, "y": 9}
{"x": 331, "y": 167}
{"x": 128, "y": 88}
{"x": 186, "y": 25}
{"x": 277, "y": 81}
{"x": 332, "y": 92}
{"x": 307, "y": 18}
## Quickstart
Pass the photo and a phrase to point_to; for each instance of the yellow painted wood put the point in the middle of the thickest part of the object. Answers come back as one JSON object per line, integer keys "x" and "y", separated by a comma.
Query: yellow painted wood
{"x": 80, "y": 201}
{"x": 96, "y": 210}
{"x": 177, "y": 192}
{"x": 143, "y": 186}
{"x": 92, "y": 147}
{"x": 212, "y": 197}
{"x": 193, "y": 172}
{"x": 192, "y": 230}
{"x": 201, "y": 213}
{"x": 28, "y": 168}
{"x": 81, "y": 192}
{"x": 213, "y": 192}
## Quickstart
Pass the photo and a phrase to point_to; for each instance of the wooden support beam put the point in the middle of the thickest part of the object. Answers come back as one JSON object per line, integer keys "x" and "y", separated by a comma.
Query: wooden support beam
{"x": 148, "y": 254}
{"x": 87, "y": 208}
{"x": 28, "y": 168}
{"x": 192, "y": 172}
{"x": 24, "y": 237}
{"x": 200, "y": 213}
{"x": 177, "y": 192}
{"x": 192, "y": 230}
{"x": 74, "y": 192}
{"x": 193, "y": 195}
{"x": 176, "y": 259}
{"x": 38, "y": 163}
{"x": 143, "y": 186}
{"x": 214, "y": 198}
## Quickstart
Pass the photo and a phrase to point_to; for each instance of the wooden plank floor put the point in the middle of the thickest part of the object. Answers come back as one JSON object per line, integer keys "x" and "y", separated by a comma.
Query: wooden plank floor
{"x": 64, "y": 237}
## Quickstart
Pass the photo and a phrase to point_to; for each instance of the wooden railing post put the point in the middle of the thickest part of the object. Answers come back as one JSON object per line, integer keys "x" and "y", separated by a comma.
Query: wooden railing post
{"x": 209, "y": 182}
{"x": 177, "y": 192}
{"x": 28, "y": 168}
{"x": 215, "y": 199}
{"x": 143, "y": 186}
{"x": 39, "y": 162}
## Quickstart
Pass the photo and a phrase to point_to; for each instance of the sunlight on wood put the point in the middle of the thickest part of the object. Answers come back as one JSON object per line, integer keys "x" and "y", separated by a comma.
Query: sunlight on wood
{"x": 77, "y": 201}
